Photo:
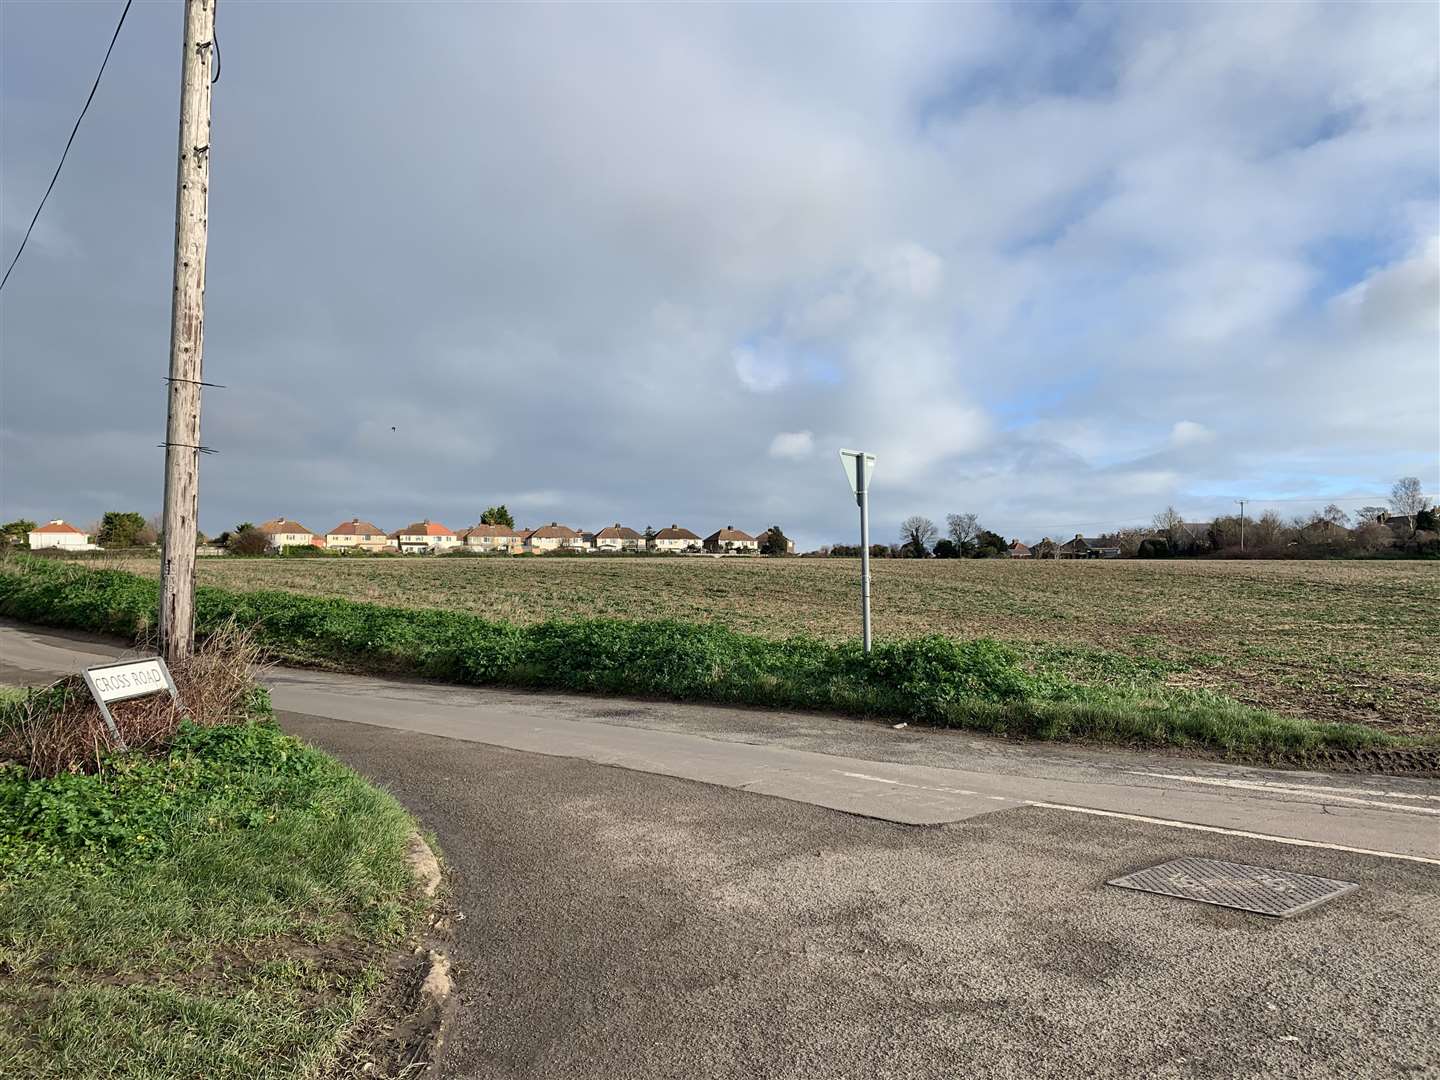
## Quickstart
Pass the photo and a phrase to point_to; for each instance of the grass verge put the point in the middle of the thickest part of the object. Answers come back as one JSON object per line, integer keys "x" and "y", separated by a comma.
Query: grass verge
{"x": 979, "y": 684}
{"x": 218, "y": 907}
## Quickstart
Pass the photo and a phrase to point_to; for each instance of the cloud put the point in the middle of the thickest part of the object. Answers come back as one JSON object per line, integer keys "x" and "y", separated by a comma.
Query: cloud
{"x": 792, "y": 444}
{"x": 1189, "y": 433}
{"x": 1001, "y": 246}
{"x": 759, "y": 372}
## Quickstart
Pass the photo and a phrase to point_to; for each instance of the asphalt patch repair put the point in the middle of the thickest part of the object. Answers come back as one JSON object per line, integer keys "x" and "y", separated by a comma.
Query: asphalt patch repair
{"x": 627, "y": 924}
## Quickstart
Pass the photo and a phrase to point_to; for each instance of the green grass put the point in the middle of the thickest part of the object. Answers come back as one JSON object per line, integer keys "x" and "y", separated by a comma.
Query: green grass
{"x": 1059, "y": 692}
{"x": 1341, "y": 640}
{"x": 219, "y": 910}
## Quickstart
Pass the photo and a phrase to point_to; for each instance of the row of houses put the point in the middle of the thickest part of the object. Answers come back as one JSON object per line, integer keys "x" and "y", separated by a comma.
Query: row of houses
{"x": 1082, "y": 547}
{"x": 424, "y": 537}
{"x": 432, "y": 537}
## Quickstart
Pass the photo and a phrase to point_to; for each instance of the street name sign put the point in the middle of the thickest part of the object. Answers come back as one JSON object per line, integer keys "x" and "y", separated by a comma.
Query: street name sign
{"x": 127, "y": 679}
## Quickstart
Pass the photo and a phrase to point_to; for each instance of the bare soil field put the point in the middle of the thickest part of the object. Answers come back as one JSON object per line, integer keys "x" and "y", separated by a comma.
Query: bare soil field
{"x": 1356, "y": 641}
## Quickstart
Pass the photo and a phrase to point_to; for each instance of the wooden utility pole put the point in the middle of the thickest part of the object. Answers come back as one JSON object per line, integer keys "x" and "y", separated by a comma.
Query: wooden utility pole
{"x": 187, "y": 337}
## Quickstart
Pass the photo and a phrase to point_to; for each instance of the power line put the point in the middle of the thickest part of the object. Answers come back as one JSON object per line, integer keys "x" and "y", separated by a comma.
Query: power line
{"x": 68, "y": 141}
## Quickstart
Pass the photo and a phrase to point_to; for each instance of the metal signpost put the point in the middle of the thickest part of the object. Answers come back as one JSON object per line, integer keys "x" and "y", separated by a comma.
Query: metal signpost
{"x": 110, "y": 683}
{"x": 858, "y": 467}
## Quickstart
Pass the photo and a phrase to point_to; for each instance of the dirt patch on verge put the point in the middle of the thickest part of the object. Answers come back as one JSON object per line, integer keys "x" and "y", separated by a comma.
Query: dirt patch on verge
{"x": 404, "y": 1026}
{"x": 1421, "y": 762}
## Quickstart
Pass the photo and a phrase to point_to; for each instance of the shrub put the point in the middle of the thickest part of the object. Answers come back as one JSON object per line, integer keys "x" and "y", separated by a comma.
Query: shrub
{"x": 249, "y": 541}
{"x": 1153, "y": 547}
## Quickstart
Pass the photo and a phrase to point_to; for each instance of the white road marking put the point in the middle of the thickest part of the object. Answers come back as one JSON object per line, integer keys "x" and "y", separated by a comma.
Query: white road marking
{"x": 1331, "y": 795}
{"x": 1170, "y": 823}
{"x": 1232, "y": 832}
{"x": 926, "y": 787}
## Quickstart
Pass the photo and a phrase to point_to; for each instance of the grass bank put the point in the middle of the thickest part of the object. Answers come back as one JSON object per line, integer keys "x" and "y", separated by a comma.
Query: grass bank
{"x": 220, "y": 907}
{"x": 979, "y": 684}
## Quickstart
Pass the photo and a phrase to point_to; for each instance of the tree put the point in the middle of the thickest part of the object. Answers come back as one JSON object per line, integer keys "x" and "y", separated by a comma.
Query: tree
{"x": 17, "y": 531}
{"x": 990, "y": 545}
{"x": 1332, "y": 515}
{"x": 947, "y": 549}
{"x": 498, "y": 515}
{"x": 773, "y": 541}
{"x": 150, "y": 534}
{"x": 916, "y": 535}
{"x": 1267, "y": 532}
{"x": 1407, "y": 497}
{"x": 1225, "y": 532}
{"x": 1171, "y": 526}
{"x": 963, "y": 530}
{"x": 1370, "y": 513}
{"x": 120, "y": 529}
{"x": 1370, "y": 535}
{"x": 1153, "y": 547}
{"x": 248, "y": 540}
{"x": 1427, "y": 521}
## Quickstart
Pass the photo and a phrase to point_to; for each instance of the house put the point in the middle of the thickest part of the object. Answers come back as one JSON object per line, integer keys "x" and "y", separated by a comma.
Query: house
{"x": 760, "y": 542}
{"x": 356, "y": 535}
{"x": 553, "y": 537}
{"x": 484, "y": 537}
{"x": 61, "y": 537}
{"x": 1045, "y": 549}
{"x": 425, "y": 536}
{"x": 676, "y": 539}
{"x": 281, "y": 533}
{"x": 732, "y": 541}
{"x": 1017, "y": 550}
{"x": 618, "y": 538}
{"x": 1402, "y": 526}
{"x": 1089, "y": 548}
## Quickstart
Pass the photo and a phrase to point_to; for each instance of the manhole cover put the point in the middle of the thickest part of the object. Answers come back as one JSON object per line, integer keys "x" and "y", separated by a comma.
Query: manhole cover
{"x": 1235, "y": 885}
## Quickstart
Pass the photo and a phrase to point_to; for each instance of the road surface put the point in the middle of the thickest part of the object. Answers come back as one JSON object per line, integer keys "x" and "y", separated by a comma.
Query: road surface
{"x": 912, "y": 776}
{"x": 632, "y": 922}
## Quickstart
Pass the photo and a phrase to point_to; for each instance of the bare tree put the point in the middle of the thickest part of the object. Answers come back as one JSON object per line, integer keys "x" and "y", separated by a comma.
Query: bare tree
{"x": 1370, "y": 513}
{"x": 1171, "y": 526}
{"x": 917, "y": 534}
{"x": 1370, "y": 535}
{"x": 1407, "y": 496}
{"x": 964, "y": 529}
{"x": 1268, "y": 531}
{"x": 1334, "y": 516}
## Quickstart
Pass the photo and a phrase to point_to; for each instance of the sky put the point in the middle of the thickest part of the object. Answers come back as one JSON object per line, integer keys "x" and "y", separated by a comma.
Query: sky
{"x": 1060, "y": 265}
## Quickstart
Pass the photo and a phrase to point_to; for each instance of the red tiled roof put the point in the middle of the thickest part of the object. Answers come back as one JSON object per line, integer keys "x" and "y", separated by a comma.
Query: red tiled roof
{"x": 425, "y": 528}
{"x": 59, "y": 527}
{"x": 282, "y": 525}
{"x": 617, "y": 532}
{"x": 675, "y": 532}
{"x": 728, "y": 533}
{"x": 554, "y": 531}
{"x": 356, "y": 527}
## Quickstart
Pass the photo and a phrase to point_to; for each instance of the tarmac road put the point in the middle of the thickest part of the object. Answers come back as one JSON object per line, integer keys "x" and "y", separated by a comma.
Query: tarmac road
{"x": 634, "y": 923}
{"x": 628, "y": 925}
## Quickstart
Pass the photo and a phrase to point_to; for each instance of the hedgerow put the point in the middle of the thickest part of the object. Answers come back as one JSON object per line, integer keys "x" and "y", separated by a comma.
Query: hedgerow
{"x": 978, "y": 683}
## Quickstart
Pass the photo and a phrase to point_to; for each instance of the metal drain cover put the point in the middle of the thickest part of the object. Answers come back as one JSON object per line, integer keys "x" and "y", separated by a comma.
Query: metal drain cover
{"x": 1235, "y": 885}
